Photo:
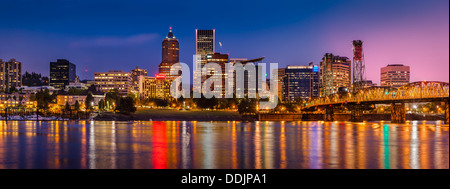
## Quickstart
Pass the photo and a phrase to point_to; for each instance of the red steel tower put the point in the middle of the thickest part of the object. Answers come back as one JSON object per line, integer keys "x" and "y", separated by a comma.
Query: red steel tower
{"x": 359, "y": 67}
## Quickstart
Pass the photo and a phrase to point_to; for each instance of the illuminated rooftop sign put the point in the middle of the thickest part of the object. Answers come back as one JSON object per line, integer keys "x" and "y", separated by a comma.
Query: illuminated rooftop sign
{"x": 315, "y": 69}
{"x": 160, "y": 76}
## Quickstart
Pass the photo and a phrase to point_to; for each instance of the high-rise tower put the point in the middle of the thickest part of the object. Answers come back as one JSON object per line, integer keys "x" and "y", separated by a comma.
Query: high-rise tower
{"x": 204, "y": 45}
{"x": 10, "y": 74}
{"x": 61, "y": 73}
{"x": 300, "y": 82}
{"x": 359, "y": 67}
{"x": 170, "y": 53}
{"x": 221, "y": 60}
{"x": 335, "y": 72}
{"x": 137, "y": 76}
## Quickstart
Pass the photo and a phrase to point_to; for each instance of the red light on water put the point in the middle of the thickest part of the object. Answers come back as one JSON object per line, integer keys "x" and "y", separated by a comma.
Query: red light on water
{"x": 159, "y": 156}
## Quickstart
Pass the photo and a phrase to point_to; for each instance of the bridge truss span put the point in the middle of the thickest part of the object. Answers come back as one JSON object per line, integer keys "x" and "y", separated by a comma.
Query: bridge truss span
{"x": 424, "y": 91}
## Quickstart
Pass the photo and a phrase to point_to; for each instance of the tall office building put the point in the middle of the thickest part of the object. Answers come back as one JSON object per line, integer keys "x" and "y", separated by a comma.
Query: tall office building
{"x": 222, "y": 61}
{"x": 301, "y": 82}
{"x": 395, "y": 75}
{"x": 10, "y": 74}
{"x": 137, "y": 76}
{"x": 204, "y": 45}
{"x": 113, "y": 79}
{"x": 335, "y": 72}
{"x": 170, "y": 53}
{"x": 62, "y": 72}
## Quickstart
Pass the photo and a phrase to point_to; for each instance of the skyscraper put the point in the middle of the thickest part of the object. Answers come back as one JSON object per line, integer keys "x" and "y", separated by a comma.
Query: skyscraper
{"x": 335, "y": 72}
{"x": 137, "y": 76}
{"x": 170, "y": 53}
{"x": 10, "y": 74}
{"x": 221, "y": 60}
{"x": 61, "y": 73}
{"x": 204, "y": 42}
{"x": 301, "y": 82}
{"x": 204, "y": 45}
{"x": 395, "y": 75}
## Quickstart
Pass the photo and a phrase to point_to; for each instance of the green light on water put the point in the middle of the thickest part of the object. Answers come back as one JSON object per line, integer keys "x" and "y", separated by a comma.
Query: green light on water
{"x": 386, "y": 146}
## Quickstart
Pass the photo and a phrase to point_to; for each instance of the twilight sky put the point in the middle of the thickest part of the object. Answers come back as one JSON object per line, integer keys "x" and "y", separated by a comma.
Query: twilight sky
{"x": 100, "y": 35}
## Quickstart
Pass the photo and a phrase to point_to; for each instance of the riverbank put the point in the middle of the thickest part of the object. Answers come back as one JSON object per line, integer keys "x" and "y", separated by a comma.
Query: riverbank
{"x": 171, "y": 115}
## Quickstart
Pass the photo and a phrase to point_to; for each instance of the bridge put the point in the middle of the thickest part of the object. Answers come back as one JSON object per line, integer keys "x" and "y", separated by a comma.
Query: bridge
{"x": 423, "y": 91}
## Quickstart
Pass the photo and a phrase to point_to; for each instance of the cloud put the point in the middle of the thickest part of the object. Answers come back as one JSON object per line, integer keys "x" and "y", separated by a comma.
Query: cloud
{"x": 113, "y": 41}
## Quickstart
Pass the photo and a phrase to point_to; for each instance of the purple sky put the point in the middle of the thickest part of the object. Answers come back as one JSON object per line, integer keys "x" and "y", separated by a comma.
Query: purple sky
{"x": 101, "y": 35}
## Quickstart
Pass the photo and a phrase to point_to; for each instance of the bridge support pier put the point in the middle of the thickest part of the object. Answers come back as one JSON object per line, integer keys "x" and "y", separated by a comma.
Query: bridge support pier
{"x": 446, "y": 112}
{"x": 329, "y": 114}
{"x": 398, "y": 114}
{"x": 357, "y": 113}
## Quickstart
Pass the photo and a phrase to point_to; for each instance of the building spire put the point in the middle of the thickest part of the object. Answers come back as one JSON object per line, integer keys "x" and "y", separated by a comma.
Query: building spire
{"x": 170, "y": 34}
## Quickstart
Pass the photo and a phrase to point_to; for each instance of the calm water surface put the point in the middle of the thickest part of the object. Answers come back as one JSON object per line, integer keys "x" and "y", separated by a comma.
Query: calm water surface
{"x": 227, "y": 145}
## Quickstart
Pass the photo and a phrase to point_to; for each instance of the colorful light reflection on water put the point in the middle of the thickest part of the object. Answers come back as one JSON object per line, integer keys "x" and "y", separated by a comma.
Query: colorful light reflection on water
{"x": 223, "y": 145}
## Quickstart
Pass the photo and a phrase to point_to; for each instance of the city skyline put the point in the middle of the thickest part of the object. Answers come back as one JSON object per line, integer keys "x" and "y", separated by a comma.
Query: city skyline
{"x": 203, "y": 86}
{"x": 391, "y": 38}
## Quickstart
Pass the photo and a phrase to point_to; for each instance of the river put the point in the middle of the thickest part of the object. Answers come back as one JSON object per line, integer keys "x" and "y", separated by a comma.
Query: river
{"x": 223, "y": 145}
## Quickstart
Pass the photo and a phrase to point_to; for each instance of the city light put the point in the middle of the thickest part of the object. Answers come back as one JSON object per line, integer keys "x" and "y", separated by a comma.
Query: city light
{"x": 304, "y": 88}
{"x": 160, "y": 76}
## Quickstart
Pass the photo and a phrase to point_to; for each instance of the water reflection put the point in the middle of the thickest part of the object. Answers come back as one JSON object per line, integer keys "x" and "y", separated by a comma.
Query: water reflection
{"x": 225, "y": 145}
